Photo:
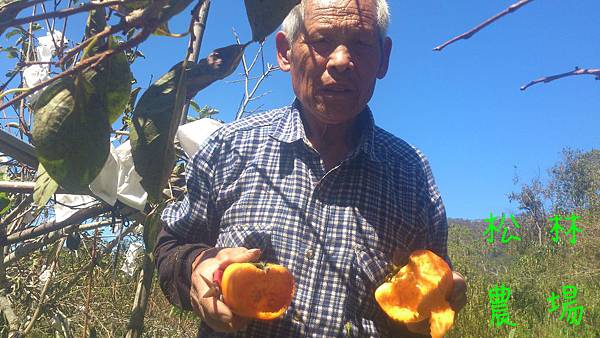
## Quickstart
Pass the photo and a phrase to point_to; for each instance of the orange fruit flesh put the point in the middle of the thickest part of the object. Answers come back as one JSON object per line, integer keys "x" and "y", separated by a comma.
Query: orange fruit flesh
{"x": 257, "y": 293}
{"x": 418, "y": 292}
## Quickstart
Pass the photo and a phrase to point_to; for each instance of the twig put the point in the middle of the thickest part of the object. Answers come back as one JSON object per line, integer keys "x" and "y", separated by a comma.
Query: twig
{"x": 26, "y": 249}
{"x": 577, "y": 71}
{"x": 250, "y": 97}
{"x": 98, "y": 36}
{"x": 41, "y": 303}
{"x": 92, "y": 61}
{"x": 6, "y": 307}
{"x": 63, "y": 12}
{"x": 484, "y": 24}
{"x": 45, "y": 228}
{"x": 9, "y": 313}
{"x": 88, "y": 296}
{"x": 143, "y": 292}
{"x": 66, "y": 288}
{"x": 196, "y": 29}
{"x": 64, "y": 32}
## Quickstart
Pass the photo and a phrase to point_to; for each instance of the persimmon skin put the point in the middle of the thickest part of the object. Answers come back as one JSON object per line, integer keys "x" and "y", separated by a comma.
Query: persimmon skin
{"x": 260, "y": 291}
{"x": 418, "y": 292}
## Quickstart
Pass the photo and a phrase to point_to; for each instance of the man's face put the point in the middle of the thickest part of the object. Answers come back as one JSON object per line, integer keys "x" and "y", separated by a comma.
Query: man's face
{"x": 336, "y": 59}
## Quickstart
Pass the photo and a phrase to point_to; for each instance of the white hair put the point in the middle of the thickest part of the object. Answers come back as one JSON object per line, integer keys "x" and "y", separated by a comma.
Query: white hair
{"x": 293, "y": 23}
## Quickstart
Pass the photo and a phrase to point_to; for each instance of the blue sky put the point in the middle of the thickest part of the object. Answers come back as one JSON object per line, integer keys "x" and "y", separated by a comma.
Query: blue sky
{"x": 462, "y": 107}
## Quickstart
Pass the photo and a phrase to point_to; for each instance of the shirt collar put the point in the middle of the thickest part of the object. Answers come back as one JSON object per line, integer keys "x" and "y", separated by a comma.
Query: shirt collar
{"x": 290, "y": 129}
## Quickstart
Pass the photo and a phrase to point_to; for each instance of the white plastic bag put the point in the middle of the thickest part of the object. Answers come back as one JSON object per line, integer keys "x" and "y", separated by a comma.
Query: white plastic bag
{"x": 134, "y": 250}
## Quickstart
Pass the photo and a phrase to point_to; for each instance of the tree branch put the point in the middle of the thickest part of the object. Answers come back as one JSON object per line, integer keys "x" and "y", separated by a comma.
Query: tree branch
{"x": 26, "y": 249}
{"x": 41, "y": 303}
{"x": 197, "y": 27}
{"x": 63, "y": 13}
{"x": 577, "y": 71}
{"x": 84, "y": 64}
{"x": 484, "y": 24}
{"x": 45, "y": 228}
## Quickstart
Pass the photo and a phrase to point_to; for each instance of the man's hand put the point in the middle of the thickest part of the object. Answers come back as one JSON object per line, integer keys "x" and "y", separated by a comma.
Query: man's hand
{"x": 457, "y": 300}
{"x": 212, "y": 310}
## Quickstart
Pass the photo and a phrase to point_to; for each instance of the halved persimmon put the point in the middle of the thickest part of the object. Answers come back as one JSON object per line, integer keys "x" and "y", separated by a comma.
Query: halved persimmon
{"x": 418, "y": 291}
{"x": 257, "y": 290}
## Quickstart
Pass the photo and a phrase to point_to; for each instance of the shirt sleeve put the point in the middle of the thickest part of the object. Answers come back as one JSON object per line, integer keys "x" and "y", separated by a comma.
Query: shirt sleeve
{"x": 188, "y": 227}
{"x": 433, "y": 214}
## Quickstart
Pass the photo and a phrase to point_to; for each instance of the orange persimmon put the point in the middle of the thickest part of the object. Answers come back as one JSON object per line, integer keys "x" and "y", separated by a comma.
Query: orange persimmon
{"x": 418, "y": 291}
{"x": 261, "y": 291}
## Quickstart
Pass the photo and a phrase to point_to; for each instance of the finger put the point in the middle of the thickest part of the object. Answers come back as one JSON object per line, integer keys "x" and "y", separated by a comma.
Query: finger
{"x": 251, "y": 255}
{"x": 218, "y": 315}
{"x": 421, "y": 327}
{"x": 239, "y": 323}
{"x": 458, "y": 297}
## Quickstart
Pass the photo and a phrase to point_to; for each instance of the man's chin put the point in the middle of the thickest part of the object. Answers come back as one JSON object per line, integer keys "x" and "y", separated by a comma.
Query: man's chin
{"x": 337, "y": 114}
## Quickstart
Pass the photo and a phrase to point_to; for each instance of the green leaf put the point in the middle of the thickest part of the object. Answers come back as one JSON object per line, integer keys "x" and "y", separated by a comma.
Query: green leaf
{"x": 266, "y": 15}
{"x": 112, "y": 78}
{"x": 152, "y": 226}
{"x": 163, "y": 30}
{"x": 206, "y": 111}
{"x": 218, "y": 65}
{"x": 44, "y": 188}
{"x": 155, "y": 120}
{"x": 71, "y": 132}
{"x": 5, "y": 203}
{"x": 13, "y": 33}
{"x": 131, "y": 103}
{"x": 112, "y": 81}
{"x": 173, "y": 8}
{"x": 96, "y": 23}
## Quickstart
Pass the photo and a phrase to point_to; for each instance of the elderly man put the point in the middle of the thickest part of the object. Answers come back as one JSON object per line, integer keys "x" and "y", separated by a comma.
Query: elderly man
{"x": 316, "y": 187}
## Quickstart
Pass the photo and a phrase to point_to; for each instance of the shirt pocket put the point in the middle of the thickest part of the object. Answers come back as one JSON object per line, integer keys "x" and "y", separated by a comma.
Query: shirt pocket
{"x": 369, "y": 269}
{"x": 251, "y": 236}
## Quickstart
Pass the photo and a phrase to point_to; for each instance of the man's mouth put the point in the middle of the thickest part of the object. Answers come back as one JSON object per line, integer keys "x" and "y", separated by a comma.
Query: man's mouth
{"x": 337, "y": 90}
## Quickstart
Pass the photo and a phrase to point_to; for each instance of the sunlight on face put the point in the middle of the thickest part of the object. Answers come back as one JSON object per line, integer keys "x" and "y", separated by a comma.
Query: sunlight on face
{"x": 336, "y": 59}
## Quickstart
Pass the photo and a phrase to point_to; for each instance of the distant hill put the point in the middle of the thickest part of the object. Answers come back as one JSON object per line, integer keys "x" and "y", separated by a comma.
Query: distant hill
{"x": 469, "y": 223}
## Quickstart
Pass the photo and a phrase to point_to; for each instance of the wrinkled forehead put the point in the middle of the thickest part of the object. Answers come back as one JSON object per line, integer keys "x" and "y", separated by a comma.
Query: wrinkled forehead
{"x": 351, "y": 13}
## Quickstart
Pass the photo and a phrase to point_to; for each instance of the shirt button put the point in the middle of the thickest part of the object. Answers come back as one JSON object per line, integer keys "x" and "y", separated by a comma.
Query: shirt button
{"x": 298, "y": 316}
{"x": 309, "y": 254}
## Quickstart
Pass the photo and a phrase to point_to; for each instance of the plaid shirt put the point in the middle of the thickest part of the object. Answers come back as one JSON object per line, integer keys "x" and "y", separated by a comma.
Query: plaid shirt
{"x": 258, "y": 183}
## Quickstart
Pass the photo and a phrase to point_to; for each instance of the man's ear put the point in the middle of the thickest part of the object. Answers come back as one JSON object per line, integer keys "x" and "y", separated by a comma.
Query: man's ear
{"x": 385, "y": 57}
{"x": 283, "y": 51}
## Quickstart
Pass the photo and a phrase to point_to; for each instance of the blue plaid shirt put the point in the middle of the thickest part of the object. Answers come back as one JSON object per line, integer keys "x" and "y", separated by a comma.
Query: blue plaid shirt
{"x": 258, "y": 183}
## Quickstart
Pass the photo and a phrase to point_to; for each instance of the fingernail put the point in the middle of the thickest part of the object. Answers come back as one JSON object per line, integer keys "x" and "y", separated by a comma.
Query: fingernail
{"x": 254, "y": 251}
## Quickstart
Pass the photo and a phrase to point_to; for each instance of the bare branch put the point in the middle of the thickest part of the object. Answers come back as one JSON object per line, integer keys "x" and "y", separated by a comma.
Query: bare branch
{"x": 62, "y": 13}
{"x": 9, "y": 313}
{"x": 484, "y": 24}
{"x": 577, "y": 71}
{"x": 92, "y": 61}
{"x": 41, "y": 303}
{"x": 45, "y": 228}
{"x": 17, "y": 187}
{"x": 26, "y": 249}
{"x": 196, "y": 29}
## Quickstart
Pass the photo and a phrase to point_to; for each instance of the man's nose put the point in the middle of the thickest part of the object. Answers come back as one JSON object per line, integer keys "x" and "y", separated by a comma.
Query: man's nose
{"x": 340, "y": 60}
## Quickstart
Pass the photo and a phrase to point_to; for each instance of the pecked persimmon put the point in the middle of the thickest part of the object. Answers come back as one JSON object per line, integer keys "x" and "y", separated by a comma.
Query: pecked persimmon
{"x": 418, "y": 292}
{"x": 257, "y": 290}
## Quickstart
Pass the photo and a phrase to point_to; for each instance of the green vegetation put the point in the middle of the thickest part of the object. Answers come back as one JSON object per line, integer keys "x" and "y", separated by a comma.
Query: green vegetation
{"x": 532, "y": 272}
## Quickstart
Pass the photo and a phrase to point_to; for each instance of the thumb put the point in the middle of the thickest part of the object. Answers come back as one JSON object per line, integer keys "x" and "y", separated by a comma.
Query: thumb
{"x": 251, "y": 255}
